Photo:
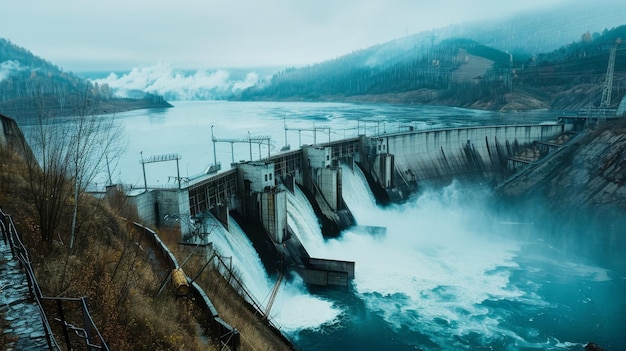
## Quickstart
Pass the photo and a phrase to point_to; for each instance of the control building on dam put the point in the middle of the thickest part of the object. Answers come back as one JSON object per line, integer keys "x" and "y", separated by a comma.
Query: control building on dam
{"x": 396, "y": 164}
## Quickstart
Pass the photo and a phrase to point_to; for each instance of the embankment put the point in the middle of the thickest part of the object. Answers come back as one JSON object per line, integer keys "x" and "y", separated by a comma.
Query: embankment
{"x": 578, "y": 193}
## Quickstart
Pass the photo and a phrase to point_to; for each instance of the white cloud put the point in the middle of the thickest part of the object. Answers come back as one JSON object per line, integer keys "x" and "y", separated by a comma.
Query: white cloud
{"x": 174, "y": 84}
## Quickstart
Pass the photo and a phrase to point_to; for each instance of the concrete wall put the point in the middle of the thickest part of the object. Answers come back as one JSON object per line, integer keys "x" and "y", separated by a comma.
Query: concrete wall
{"x": 317, "y": 156}
{"x": 259, "y": 174}
{"x": 153, "y": 206}
{"x": 383, "y": 169}
{"x": 11, "y": 137}
{"x": 4, "y": 121}
{"x": 273, "y": 213}
{"x": 456, "y": 152}
{"x": 327, "y": 181}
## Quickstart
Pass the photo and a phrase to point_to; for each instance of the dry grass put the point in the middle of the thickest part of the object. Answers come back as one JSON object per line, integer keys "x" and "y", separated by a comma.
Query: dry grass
{"x": 5, "y": 339}
{"x": 255, "y": 332}
{"x": 109, "y": 267}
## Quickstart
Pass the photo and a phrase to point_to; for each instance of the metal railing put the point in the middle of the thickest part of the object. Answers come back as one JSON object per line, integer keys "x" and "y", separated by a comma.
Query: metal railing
{"x": 86, "y": 334}
{"x": 228, "y": 336}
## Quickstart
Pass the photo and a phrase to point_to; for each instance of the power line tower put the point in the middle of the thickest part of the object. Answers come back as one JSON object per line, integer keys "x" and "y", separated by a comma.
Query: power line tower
{"x": 605, "y": 102}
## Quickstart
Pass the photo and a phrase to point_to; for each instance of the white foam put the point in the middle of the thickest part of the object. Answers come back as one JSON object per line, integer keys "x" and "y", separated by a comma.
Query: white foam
{"x": 436, "y": 265}
{"x": 302, "y": 220}
{"x": 294, "y": 308}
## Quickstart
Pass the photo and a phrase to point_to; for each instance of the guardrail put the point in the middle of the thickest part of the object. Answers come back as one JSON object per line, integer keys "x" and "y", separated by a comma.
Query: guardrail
{"x": 228, "y": 336}
{"x": 86, "y": 333}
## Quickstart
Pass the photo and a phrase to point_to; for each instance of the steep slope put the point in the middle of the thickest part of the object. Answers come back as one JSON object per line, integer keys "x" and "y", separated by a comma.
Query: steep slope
{"x": 579, "y": 193}
{"x": 590, "y": 173}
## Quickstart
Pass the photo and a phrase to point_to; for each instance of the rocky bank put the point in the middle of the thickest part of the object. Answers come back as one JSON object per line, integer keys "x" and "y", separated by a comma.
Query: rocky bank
{"x": 578, "y": 193}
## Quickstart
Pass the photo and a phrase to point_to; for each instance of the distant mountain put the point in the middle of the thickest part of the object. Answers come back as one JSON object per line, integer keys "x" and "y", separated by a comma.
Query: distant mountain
{"x": 457, "y": 72}
{"x": 31, "y": 86}
{"x": 542, "y": 30}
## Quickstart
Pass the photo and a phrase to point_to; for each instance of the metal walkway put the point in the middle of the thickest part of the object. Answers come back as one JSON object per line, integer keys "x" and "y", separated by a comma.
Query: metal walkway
{"x": 23, "y": 320}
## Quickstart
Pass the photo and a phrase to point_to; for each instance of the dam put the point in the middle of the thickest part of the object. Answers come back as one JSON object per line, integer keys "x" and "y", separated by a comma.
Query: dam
{"x": 395, "y": 164}
{"x": 443, "y": 265}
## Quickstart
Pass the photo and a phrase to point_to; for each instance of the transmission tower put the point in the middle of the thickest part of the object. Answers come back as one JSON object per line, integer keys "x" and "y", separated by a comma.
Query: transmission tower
{"x": 608, "y": 80}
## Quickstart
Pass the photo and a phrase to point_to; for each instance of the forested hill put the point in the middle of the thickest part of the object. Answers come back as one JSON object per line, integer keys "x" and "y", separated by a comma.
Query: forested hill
{"x": 458, "y": 72}
{"x": 31, "y": 86}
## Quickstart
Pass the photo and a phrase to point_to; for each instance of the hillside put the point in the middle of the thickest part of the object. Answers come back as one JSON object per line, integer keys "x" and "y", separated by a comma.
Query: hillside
{"x": 31, "y": 86}
{"x": 578, "y": 193}
{"x": 118, "y": 268}
{"x": 457, "y": 72}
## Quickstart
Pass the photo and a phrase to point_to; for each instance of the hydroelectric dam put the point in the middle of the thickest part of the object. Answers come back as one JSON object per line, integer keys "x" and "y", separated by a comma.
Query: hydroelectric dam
{"x": 395, "y": 164}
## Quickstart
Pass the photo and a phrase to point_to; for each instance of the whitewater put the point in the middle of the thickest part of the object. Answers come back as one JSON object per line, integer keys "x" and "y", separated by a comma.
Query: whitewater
{"x": 443, "y": 275}
{"x": 445, "y": 272}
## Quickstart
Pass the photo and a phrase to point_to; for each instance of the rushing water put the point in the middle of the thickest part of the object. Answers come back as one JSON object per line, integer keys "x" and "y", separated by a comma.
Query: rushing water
{"x": 294, "y": 309}
{"x": 449, "y": 275}
{"x": 446, "y": 274}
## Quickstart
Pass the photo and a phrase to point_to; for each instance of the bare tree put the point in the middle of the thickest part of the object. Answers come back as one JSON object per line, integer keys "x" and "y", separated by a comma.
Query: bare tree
{"x": 95, "y": 140}
{"x": 47, "y": 171}
{"x": 70, "y": 154}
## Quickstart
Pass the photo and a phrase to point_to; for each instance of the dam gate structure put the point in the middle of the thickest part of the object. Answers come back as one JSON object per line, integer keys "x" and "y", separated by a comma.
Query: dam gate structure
{"x": 396, "y": 163}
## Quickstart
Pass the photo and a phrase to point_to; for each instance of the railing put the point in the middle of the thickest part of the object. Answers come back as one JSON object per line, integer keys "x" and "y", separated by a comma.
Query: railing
{"x": 88, "y": 334}
{"x": 229, "y": 337}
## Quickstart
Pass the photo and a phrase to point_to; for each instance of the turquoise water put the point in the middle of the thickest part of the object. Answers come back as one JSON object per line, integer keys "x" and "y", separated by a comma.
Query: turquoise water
{"x": 449, "y": 274}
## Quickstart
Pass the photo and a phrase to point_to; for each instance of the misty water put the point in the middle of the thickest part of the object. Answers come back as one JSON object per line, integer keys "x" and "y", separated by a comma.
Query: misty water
{"x": 450, "y": 272}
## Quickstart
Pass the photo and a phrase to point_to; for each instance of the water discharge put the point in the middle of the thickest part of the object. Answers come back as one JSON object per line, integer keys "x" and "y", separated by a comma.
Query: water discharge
{"x": 294, "y": 307}
{"x": 446, "y": 275}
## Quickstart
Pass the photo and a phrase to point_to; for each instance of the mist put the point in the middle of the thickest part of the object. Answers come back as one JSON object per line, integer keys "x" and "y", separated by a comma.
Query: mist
{"x": 449, "y": 268}
{"x": 180, "y": 85}
{"x": 7, "y": 67}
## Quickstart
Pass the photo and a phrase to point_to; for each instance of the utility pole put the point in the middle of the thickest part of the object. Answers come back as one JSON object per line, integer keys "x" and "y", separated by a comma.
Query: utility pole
{"x": 143, "y": 166}
{"x": 605, "y": 102}
{"x": 161, "y": 158}
{"x": 249, "y": 140}
{"x": 214, "y": 152}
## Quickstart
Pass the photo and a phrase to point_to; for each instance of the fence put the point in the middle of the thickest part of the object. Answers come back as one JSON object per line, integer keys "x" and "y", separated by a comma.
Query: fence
{"x": 228, "y": 336}
{"x": 75, "y": 334}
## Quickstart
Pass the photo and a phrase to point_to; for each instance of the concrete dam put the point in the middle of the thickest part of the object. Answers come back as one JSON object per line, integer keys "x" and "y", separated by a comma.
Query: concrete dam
{"x": 396, "y": 165}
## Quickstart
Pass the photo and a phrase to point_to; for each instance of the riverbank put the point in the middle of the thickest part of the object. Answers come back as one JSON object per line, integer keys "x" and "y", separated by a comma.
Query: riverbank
{"x": 26, "y": 108}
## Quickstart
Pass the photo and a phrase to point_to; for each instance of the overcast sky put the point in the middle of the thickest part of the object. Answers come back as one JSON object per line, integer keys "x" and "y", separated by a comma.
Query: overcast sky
{"x": 120, "y": 34}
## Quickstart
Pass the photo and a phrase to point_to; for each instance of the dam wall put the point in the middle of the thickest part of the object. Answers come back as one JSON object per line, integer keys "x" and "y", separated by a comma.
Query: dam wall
{"x": 11, "y": 137}
{"x": 441, "y": 155}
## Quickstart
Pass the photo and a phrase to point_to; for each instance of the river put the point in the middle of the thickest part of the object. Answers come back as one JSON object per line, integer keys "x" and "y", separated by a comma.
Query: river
{"x": 449, "y": 273}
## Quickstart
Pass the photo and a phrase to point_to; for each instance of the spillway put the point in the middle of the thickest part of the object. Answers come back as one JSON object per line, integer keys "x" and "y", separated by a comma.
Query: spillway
{"x": 294, "y": 308}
